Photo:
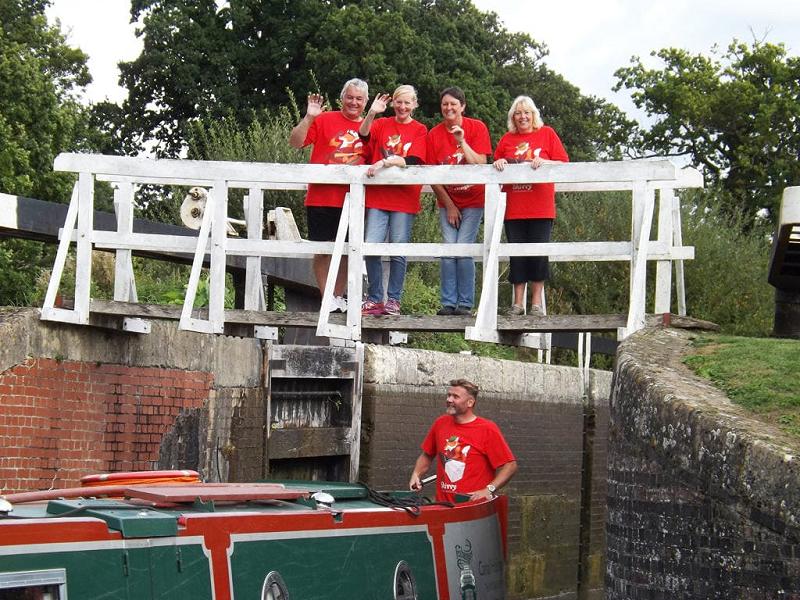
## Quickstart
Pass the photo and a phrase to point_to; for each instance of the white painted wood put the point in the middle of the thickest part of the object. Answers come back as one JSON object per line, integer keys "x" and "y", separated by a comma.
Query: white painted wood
{"x": 262, "y": 332}
{"x": 677, "y": 240}
{"x": 663, "y": 293}
{"x": 536, "y": 341}
{"x": 83, "y": 252}
{"x": 257, "y": 177}
{"x": 61, "y": 315}
{"x": 8, "y": 211}
{"x": 486, "y": 318}
{"x": 124, "y": 279}
{"x": 581, "y": 372}
{"x": 61, "y": 259}
{"x": 355, "y": 260}
{"x": 324, "y": 328}
{"x": 254, "y": 286}
{"x": 201, "y": 244}
{"x": 216, "y": 275}
{"x": 136, "y": 325}
{"x": 643, "y": 195}
{"x": 305, "y": 173}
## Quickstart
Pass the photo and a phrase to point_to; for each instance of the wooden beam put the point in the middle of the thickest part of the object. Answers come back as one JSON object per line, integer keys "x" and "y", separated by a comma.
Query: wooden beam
{"x": 523, "y": 323}
{"x": 247, "y": 174}
{"x": 309, "y": 442}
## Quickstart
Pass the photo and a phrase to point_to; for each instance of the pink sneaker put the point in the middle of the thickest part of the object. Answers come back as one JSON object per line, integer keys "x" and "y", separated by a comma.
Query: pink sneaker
{"x": 392, "y": 307}
{"x": 371, "y": 308}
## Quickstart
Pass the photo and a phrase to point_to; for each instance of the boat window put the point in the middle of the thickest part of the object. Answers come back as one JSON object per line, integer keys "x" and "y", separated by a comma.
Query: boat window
{"x": 274, "y": 587}
{"x": 39, "y": 585}
{"x": 405, "y": 588}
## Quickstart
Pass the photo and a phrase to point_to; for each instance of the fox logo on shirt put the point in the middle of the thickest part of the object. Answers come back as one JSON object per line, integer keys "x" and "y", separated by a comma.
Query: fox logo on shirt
{"x": 454, "y": 456}
{"x": 348, "y": 148}
{"x": 395, "y": 147}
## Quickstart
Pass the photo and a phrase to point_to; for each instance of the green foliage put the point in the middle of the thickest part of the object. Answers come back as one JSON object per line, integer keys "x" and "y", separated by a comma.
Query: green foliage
{"x": 727, "y": 281}
{"x": 202, "y": 62}
{"x": 590, "y": 287}
{"x": 735, "y": 114}
{"x": 756, "y": 373}
{"x": 18, "y": 260}
{"x": 262, "y": 139}
{"x": 40, "y": 77}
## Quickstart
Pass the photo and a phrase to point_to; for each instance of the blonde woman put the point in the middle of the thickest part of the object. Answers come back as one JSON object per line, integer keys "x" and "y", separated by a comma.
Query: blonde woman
{"x": 530, "y": 208}
{"x": 393, "y": 142}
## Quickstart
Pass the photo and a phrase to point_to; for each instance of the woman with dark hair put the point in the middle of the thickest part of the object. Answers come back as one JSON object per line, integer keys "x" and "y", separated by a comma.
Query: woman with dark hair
{"x": 458, "y": 140}
{"x": 530, "y": 208}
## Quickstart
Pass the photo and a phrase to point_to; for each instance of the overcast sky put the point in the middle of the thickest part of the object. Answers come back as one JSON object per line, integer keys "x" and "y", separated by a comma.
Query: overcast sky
{"x": 588, "y": 39}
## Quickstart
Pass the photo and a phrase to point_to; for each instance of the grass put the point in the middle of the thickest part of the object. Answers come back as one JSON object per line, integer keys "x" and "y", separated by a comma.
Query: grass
{"x": 759, "y": 374}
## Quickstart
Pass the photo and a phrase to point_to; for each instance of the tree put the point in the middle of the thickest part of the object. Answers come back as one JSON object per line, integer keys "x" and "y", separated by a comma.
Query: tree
{"x": 202, "y": 62}
{"x": 735, "y": 114}
{"x": 39, "y": 79}
{"x": 40, "y": 117}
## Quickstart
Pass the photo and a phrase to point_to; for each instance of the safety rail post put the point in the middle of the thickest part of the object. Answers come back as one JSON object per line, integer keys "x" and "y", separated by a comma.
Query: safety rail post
{"x": 83, "y": 250}
{"x": 643, "y": 205}
{"x": 49, "y": 309}
{"x": 124, "y": 280}
{"x": 324, "y": 327}
{"x": 219, "y": 242}
{"x": 253, "y": 282}
{"x": 187, "y": 321}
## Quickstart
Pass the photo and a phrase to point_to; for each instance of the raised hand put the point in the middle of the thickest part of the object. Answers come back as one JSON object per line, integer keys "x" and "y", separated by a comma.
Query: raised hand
{"x": 380, "y": 103}
{"x": 458, "y": 133}
{"x": 315, "y": 106}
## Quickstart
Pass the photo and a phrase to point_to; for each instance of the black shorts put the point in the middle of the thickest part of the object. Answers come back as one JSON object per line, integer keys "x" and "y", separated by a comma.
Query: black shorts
{"x": 323, "y": 222}
{"x": 528, "y": 268}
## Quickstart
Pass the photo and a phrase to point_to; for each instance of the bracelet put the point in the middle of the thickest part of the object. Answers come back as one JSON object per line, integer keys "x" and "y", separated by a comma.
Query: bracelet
{"x": 383, "y": 163}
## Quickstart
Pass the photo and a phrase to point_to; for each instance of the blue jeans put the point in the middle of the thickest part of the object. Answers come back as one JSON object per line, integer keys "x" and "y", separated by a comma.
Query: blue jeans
{"x": 458, "y": 274}
{"x": 396, "y": 226}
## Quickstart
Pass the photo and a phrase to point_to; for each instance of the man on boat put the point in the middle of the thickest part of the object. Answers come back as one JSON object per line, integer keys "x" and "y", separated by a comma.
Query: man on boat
{"x": 474, "y": 458}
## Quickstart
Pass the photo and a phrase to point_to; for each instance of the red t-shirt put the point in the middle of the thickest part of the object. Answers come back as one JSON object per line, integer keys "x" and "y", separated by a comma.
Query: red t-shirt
{"x": 336, "y": 142}
{"x": 468, "y": 455}
{"x": 531, "y": 200}
{"x": 390, "y": 138}
{"x": 442, "y": 150}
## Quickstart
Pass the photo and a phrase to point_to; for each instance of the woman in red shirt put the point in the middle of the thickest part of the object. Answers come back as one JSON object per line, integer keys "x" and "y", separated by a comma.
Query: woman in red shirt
{"x": 530, "y": 208}
{"x": 395, "y": 141}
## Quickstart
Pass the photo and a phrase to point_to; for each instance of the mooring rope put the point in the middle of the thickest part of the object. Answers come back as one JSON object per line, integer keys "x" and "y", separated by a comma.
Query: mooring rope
{"x": 412, "y": 503}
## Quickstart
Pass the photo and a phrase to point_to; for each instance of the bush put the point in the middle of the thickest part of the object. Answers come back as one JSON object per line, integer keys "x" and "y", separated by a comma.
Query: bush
{"x": 727, "y": 281}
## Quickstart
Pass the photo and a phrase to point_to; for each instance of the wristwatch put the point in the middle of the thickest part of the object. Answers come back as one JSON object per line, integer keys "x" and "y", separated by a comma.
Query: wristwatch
{"x": 491, "y": 488}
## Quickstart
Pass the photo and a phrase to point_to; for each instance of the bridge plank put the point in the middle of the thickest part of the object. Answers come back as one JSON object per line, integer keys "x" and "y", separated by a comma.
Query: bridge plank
{"x": 434, "y": 323}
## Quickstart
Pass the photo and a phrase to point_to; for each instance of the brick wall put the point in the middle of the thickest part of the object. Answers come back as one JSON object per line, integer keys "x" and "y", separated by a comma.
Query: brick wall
{"x": 703, "y": 501}
{"x": 61, "y": 419}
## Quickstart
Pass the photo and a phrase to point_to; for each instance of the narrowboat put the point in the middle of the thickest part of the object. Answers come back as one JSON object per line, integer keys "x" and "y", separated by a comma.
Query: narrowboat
{"x": 129, "y": 536}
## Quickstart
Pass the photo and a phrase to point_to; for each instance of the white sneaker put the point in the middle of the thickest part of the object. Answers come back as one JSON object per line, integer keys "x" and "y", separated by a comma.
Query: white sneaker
{"x": 338, "y": 305}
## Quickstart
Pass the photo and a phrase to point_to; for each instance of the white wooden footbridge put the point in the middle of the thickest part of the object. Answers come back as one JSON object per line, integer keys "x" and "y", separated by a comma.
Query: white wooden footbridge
{"x": 651, "y": 185}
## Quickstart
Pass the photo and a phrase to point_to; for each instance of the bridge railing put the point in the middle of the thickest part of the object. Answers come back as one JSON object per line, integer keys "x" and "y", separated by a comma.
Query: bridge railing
{"x": 641, "y": 178}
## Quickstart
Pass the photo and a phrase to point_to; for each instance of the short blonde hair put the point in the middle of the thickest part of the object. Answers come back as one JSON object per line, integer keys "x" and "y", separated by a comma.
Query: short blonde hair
{"x": 524, "y": 102}
{"x": 405, "y": 89}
